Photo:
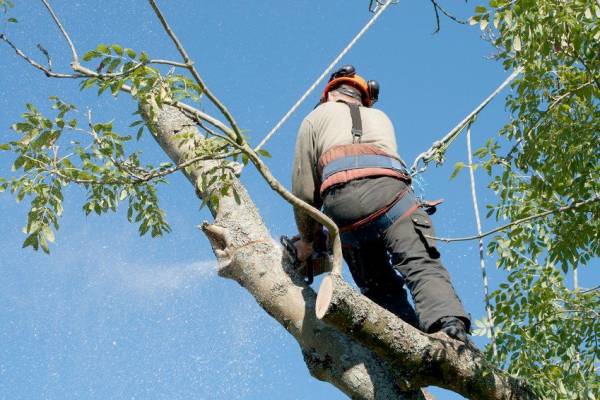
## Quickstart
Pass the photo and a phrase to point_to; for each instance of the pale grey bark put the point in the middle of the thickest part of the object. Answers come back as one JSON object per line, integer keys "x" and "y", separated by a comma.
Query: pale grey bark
{"x": 433, "y": 359}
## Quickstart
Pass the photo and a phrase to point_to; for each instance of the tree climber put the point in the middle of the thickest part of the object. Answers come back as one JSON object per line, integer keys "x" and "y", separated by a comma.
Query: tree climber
{"x": 346, "y": 162}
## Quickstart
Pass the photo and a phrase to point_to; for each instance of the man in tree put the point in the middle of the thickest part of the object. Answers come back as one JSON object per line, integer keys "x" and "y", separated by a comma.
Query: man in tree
{"x": 346, "y": 162}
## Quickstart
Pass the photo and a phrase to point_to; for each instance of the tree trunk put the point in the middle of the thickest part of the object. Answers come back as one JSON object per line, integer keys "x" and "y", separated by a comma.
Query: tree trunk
{"x": 368, "y": 353}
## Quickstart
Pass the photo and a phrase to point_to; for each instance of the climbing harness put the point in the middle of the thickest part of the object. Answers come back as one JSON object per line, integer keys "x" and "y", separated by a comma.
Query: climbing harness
{"x": 344, "y": 163}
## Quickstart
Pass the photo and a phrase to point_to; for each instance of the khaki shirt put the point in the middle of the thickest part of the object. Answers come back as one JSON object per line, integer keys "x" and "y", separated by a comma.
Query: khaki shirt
{"x": 330, "y": 125}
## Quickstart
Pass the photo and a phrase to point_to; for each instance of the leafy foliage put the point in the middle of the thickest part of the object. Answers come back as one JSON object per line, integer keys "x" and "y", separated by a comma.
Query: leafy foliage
{"x": 52, "y": 153}
{"x": 547, "y": 158}
{"x": 96, "y": 161}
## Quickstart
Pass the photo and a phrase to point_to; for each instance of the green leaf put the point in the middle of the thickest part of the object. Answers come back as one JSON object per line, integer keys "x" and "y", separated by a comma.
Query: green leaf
{"x": 49, "y": 234}
{"x": 31, "y": 240}
{"x": 483, "y": 24}
{"x": 117, "y": 49}
{"x": 102, "y": 48}
{"x": 18, "y": 163}
{"x": 44, "y": 245}
{"x": 457, "y": 168}
{"x": 264, "y": 153}
{"x": 13, "y": 20}
{"x": 90, "y": 55}
{"x": 516, "y": 44}
{"x": 130, "y": 53}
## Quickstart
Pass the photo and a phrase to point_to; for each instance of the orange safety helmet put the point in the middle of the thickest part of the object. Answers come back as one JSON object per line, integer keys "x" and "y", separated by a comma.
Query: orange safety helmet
{"x": 346, "y": 75}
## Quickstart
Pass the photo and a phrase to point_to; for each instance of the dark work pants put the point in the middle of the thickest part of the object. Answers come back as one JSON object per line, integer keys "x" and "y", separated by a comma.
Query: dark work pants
{"x": 381, "y": 265}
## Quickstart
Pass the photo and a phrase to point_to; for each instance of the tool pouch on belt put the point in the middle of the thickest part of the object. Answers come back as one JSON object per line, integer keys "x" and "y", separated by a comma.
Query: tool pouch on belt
{"x": 423, "y": 227}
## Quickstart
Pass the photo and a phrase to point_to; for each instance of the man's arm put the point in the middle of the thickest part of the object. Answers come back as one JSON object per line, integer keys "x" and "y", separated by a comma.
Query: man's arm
{"x": 305, "y": 184}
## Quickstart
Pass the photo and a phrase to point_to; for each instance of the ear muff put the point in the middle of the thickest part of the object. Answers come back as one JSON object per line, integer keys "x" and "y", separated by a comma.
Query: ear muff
{"x": 373, "y": 91}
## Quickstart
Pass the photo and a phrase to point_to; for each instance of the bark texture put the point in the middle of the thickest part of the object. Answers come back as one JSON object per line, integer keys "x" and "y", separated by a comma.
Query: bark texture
{"x": 434, "y": 359}
{"x": 366, "y": 352}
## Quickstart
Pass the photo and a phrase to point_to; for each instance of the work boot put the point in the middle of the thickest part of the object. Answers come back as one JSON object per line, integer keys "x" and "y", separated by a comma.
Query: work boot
{"x": 455, "y": 328}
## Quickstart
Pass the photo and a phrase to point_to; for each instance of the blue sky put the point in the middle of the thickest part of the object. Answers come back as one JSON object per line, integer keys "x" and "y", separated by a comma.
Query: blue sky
{"x": 113, "y": 315}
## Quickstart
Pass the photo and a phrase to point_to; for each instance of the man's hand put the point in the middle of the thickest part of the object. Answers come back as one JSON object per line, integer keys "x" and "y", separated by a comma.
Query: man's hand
{"x": 303, "y": 249}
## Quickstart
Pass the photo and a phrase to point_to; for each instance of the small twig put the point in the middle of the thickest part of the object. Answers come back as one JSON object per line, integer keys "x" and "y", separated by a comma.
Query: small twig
{"x": 591, "y": 289}
{"x": 74, "y": 56}
{"x": 191, "y": 161}
{"x": 115, "y": 162}
{"x": 167, "y": 62}
{"x": 45, "y": 53}
{"x": 83, "y": 72}
{"x": 517, "y": 222}
{"x": 185, "y": 108}
{"x": 34, "y": 63}
{"x": 437, "y": 7}
{"x": 437, "y": 16}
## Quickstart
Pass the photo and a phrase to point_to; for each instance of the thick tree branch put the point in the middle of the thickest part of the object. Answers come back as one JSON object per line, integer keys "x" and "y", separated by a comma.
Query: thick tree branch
{"x": 434, "y": 359}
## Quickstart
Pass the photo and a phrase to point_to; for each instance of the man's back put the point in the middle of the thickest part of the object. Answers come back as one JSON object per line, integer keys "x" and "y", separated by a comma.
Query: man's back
{"x": 330, "y": 125}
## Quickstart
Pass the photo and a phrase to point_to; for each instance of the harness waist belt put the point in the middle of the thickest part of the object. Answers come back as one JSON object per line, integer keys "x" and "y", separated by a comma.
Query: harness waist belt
{"x": 360, "y": 161}
{"x": 376, "y": 224}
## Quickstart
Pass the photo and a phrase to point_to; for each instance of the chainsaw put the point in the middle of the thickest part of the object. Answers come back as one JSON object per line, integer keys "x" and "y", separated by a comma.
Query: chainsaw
{"x": 318, "y": 263}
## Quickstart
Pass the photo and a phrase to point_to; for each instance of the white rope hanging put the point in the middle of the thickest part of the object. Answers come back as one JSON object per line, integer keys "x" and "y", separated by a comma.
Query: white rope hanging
{"x": 325, "y": 73}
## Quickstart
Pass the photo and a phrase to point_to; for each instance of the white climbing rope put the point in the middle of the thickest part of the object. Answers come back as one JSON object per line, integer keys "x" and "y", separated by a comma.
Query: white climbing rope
{"x": 484, "y": 277}
{"x": 283, "y": 120}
